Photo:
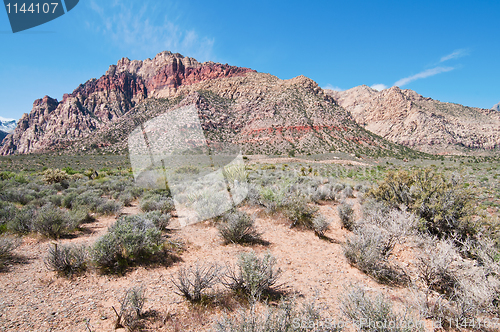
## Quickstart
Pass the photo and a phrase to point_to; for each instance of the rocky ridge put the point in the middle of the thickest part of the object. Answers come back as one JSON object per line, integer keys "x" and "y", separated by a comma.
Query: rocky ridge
{"x": 100, "y": 102}
{"x": 7, "y": 125}
{"x": 260, "y": 112}
{"x": 496, "y": 107}
{"x": 405, "y": 117}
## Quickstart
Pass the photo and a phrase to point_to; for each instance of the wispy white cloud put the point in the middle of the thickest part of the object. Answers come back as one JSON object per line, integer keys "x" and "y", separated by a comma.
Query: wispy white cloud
{"x": 142, "y": 28}
{"x": 455, "y": 55}
{"x": 423, "y": 74}
{"x": 334, "y": 88}
{"x": 379, "y": 87}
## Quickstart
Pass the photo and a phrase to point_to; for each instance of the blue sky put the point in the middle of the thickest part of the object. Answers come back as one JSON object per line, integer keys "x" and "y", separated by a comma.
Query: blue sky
{"x": 446, "y": 50}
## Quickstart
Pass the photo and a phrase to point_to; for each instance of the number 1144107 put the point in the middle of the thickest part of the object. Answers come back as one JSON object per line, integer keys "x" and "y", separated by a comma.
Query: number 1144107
{"x": 34, "y": 8}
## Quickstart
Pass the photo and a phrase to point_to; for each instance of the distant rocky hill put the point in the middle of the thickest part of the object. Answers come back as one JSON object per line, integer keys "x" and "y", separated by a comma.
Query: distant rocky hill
{"x": 405, "y": 117}
{"x": 496, "y": 107}
{"x": 260, "y": 112}
{"x": 7, "y": 125}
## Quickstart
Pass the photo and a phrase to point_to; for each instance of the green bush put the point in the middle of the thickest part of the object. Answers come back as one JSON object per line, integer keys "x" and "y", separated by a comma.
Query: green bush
{"x": 109, "y": 207}
{"x": 66, "y": 260}
{"x": 22, "y": 222}
{"x": 7, "y": 213}
{"x": 130, "y": 241}
{"x": 157, "y": 202}
{"x": 238, "y": 227}
{"x": 299, "y": 212}
{"x": 52, "y": 222}
{"x": 444, "y": 206}
{"x": 51, "y": 176}
{"x": 159, "y": 219}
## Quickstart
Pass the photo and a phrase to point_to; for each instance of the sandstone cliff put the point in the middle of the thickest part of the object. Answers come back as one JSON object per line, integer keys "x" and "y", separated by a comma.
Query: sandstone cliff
{"x": 100, "y": 102}
{"x": 405, "y": 117}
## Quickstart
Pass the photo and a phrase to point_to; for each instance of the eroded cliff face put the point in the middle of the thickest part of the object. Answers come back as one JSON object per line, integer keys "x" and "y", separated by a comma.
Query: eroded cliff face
{"x": 405, "y": 117}
{"x": 99, "y": 102}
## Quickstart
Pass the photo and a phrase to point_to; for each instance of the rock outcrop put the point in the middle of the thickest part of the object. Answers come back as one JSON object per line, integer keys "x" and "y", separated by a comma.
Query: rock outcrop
{"x": 405, "y": 117}
{"x": 496, "y": 107}
{"x": 100, "y": 102}
{"x": 259, "y": 112}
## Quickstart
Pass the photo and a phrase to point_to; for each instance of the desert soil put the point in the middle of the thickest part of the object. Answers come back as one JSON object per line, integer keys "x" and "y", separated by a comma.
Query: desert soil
{"x": 36, "y": 299}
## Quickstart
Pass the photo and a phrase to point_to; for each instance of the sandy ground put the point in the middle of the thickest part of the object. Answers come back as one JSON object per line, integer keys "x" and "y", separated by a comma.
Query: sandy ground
{"x": 36, "y": 299}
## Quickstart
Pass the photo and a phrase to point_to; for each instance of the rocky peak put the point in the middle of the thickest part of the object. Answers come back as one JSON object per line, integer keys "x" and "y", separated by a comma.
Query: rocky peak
{"x": 408, "y": 118}
{"x": 100, "y": 102}
{"x": 496, "y": 107}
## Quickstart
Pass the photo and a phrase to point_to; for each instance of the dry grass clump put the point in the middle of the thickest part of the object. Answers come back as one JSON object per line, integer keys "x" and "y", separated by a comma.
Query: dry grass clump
{"x": 66, "y": 260}
{"x": 238, "y": 227}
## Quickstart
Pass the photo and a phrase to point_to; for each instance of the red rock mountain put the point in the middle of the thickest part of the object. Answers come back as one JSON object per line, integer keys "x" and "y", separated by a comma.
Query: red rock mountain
{"x": 405, "y": 117}
{"x": 99, "y": 102}
{"x": 260, "y": 112}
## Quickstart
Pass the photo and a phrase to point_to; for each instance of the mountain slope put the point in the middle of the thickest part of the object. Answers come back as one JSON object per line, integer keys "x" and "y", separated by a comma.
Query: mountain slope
{"x": 259, "y": 112}
{"x": 99, "y": 102}
{"x": 7, "y": 125}
{"x": 428, "y": 125}
{"x": 496, "y": 107}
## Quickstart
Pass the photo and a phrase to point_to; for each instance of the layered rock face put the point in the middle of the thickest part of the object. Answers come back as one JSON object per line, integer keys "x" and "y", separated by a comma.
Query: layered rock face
{"x": 405, "y": 117}
{"x": 260, "y": 113}
{"x": 99, "y": 102}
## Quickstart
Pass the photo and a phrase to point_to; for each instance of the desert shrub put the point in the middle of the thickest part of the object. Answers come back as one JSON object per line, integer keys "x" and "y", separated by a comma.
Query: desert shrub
{"x": 444, "y": 206}
{"x": 368, "y": 249}
{"x": 22, "y": 222}
{"x": 51, "y": 176}
{"x": 338, "y": 187}
{"x": 376, "y": 314}
{"x": 7, "y": 246}
{"x": 438, "y": 263}
{"x": 157, "y": 202}
{"x": 400, "y": 224}
{"x": 253, "y": 195}
{"x": 66, "y": 260}
{"x": 7, "y": 213}
{"x": 19, "y": 194}
{"x": 346, "y": 214}
{"x": 253, "y": 276}
{"x": 298, "y": 211}
{"x": 191, "y": 282}
{"x": 131, "y": 306}
{"x": 159, "y": 219}
{"x": 68, "y": 199}
{"x": 52, "y": 222}
{"x": 348, "y": 191}
{"x": 287, "y": 316}
{"x": 238, "y": 227}
{"x": 131, "y": 240}
{"x": 320, "y": 225}
{"x": 126, "y": 198}
{"x": 80, "y": 215}
{"x": 55, "y": 199}
{"x": 109, "y": 207}
{"x": 91, "y": 198}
